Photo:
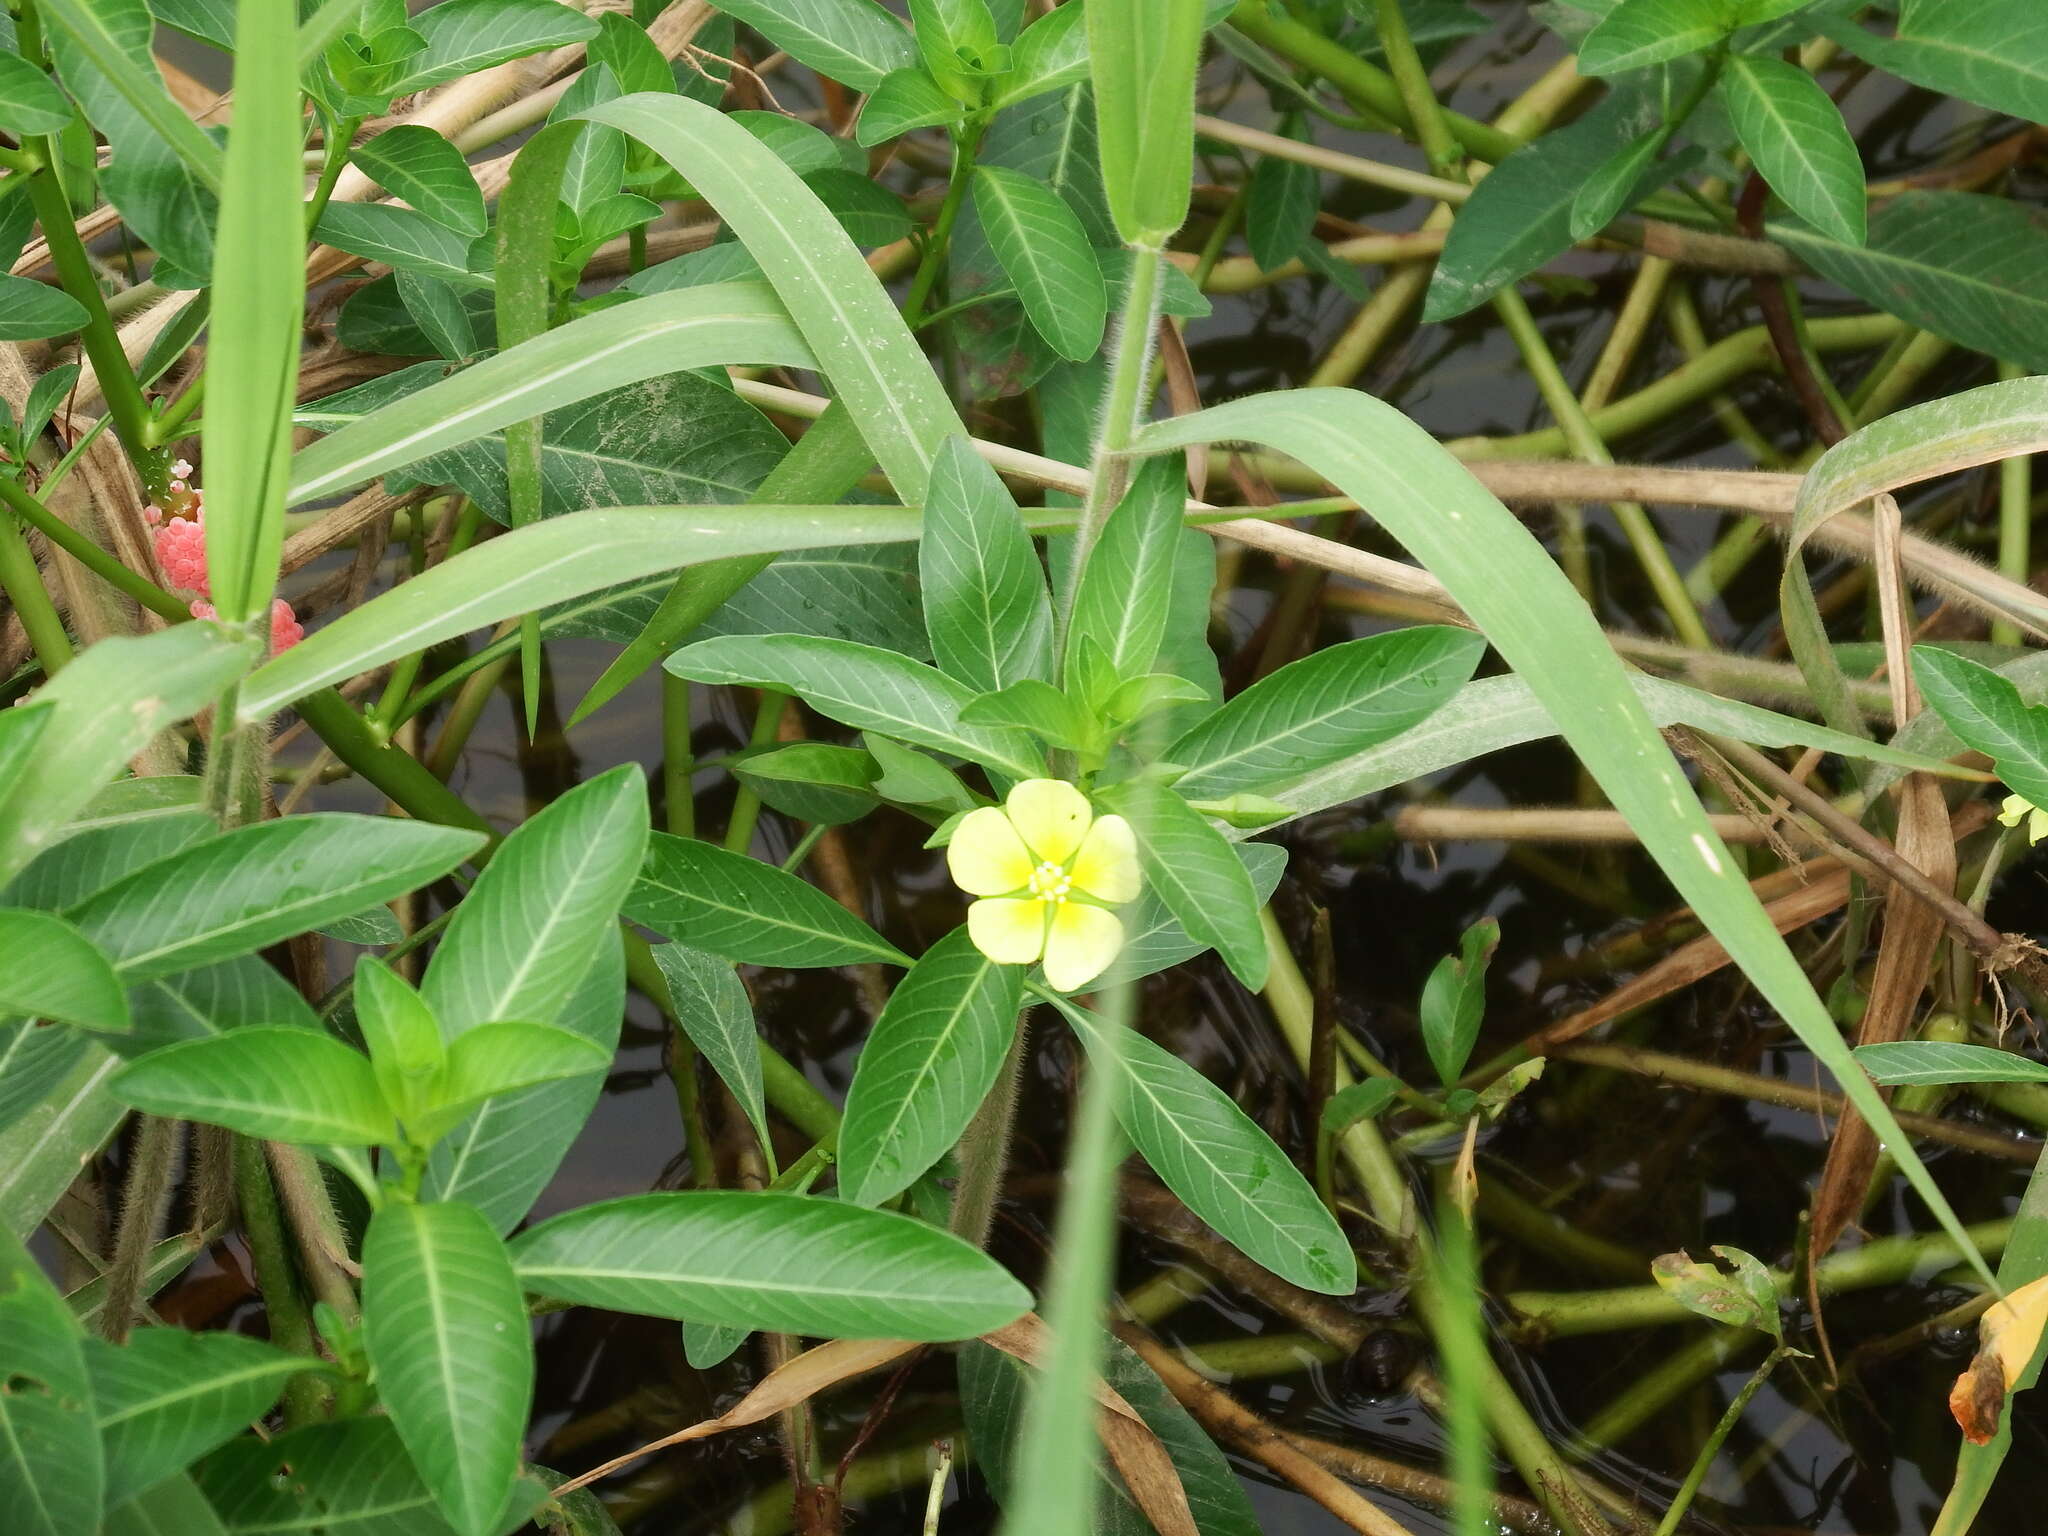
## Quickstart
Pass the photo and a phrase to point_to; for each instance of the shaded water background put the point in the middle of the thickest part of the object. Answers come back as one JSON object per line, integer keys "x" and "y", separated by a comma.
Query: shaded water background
{"x": 1650, "y": 1167}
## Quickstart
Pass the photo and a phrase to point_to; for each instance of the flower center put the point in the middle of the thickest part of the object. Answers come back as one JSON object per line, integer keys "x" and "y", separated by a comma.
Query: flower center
{"x": 1049, "y": 882}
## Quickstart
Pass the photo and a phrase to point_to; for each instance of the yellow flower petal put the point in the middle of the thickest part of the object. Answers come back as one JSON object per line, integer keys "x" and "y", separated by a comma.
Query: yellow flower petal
{"x": 2012, "y": 809}
{"x": 1008, "y": 932}
{"x": 986, "y": 857}
{"x": 1082, "y": 943}
{"x": 1107, "y": 865}
{"x": 1051, "y": 816}
{"x": 2037, "y": 825}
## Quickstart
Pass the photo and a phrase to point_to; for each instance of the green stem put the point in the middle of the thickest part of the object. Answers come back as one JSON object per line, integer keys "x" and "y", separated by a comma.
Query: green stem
{"x": 403, "y": 779}
{"x": 169, "y": 424}
{"x": 339, "y": 141}
{"x": 284, "y": 1308}
{"x": 1705, "y": 1461}
{"x": 23, "y": 584}
{"x": 1411, "y": 80}
{"x": 802, "y": 851}
{"x": 102, "y": 342}
{"x": 678, "y": 756}
{"x": 746, "y": 805}
{"x": 925, "y": 280}
{"x": 1129, "y": 372}
{"x": 2015, "y": 521}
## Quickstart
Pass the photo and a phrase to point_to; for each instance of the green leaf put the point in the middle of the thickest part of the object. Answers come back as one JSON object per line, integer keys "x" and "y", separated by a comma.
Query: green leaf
{"x": 1639, "y": 33}
{"x": 41, "y": 1153}
{"x": 1048, "y": 55}
{"x": 902, "y": 101}
{"x": 859, "y": 340}
{"x": 445, "y": 1326}
{"x": 1223, "y": 1167}
{"x": 503, "y": 1155}
{"x": 539, "y": 913}
{"x": 1495, "y": 569}
{"x": 1153, "y": 937}
{"x": 33, "y": 1059}
{"x": 594, "y": 355}
{"x": 437, "y": 308}
{"x": 1142, "y": 56}
{"x": 1746, "y": 1299}
{"x": 864, "y": 687}
{"x": 174, "y": 1507}
{"x": 253, "y": 343}
{"x": 51, "y": 1471}
{"x": 419, "y": 166}
{"x": 276, "y": 1084}
{"x": 1454, "y": 1001}
{"x": 464, "y": 36}
{"x": 103, "y": 709}
{"x": 260, "y": 884}
{"x": 502, "y": 1058}
{"x": 1127, "y": 589}
{"x": 1323, "y": 708}
{"x": 985, "y": 603}
{"x": 1991, "y": 52}
{"x": 712, "y": 1006}
{"x": 54, "y": 972}
{"x": 102, "y": 48}
{"x": 929, "y": 1062}
{"x": 1520, "y": 216}
{"x": 1616, "y": 183}
{"x": 351, "y": 1477}
{"x": 623, "y": 46}
{"x": 911, "y": 778}
{"x": 738, "y": 907}
{"x": 1036, "y": 707}
{"x": 1281, "y": 201}
{"x": 168, "y": 1396}
{"x": 30, "y": 102}
{"x": 402, "y": 1036}
{"x": 813, "y": 781}
{"x": 775, "y": 1263}
{"x": 1046, "y": 256}
{"x": 1196, "y": 874}
{"x": 1987, "y": 715}
{"x": 1361, "y": 1101}
{"x": 551, "y": 562}
{"x": 208, "y": 1001}
{"x": 1800, "y": 144}
{"x": 93, "y": 859}
{"x": 854, "y": 42}
{"x": 1938, "y": 1061}
{"x": 1960, "y": 264}
{"x": 399, "y": 237}
{"x": 29, "y": 310}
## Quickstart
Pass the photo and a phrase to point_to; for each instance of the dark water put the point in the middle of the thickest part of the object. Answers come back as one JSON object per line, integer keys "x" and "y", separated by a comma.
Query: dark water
{"x": 1645, "y": 1166}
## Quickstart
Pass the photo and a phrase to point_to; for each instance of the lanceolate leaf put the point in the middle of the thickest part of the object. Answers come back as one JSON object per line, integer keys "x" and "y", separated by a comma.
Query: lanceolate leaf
{"x": 30, "y": 311}
{"x": 1127, "y": 590}
{"x": 1986, "y": 713}
{"x": 54, "y": 972}
{"x": 51, "y": 1471}
{"x": 168, "y": 1396}
{"x": 1324, "y": 707}
{"x": 464, "y": 36}
{"x": 712, "y": 1006}
{"x": 260, "y": 884}
{"x": 855, "y": 42}
{"x": 29, "y": 101}
{"x": 1639, "y": 33}
{"x": 276, "y": 1084}
{"x": 1223, "y": 1166}
{"x": 417, "y": 165}
{"x": 103, "y": 53}
{"x": 746, "y": 910}
{"x": 1153, "y": 936}
{"x": 101, "y": 710}
{"x": 778, "y": 1263}
{"x": 985, "y": 601}
{"x": 41, "y": 1153}
{"x": 931, "y": 1059}
{"x": 1502, "y": 577}
{"x": 534, "y": 921}
{"x": 1045, "y": 254}
{"x": 864, "y": 687}
{"x": 1961, "y": 264}
{"x": 1938, "y": 1061}
{"x": 446, "y": 1329}
{"x": 1192, "y": 869}
{"x": 1992, "y": 52}
{"x": 1799, "y": 142}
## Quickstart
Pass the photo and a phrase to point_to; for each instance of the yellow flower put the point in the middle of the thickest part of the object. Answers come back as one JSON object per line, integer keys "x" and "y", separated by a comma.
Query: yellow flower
{"x": 2017, "y": 806}
{"x": 1048, "y": 868}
